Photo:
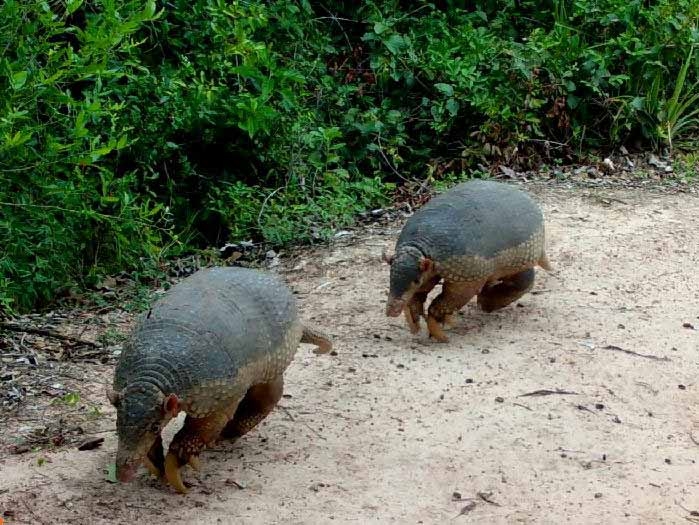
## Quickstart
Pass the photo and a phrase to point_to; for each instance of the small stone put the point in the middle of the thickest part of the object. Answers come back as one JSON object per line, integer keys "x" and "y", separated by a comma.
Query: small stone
{"x": 469, "y": 381}
{"x": 499, "y": 400}
{"x": 682, "y": 387}
{"x": 655, "y": 162}
{"x": 599, "y": 406}
{"x": 668, "y": 461}
{"x": 598, "y": 495}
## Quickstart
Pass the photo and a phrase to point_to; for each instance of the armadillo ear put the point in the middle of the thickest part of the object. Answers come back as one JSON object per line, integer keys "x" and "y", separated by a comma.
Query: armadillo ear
{"x": 388, "y": 259}
{"x": 426, "y": 265}
{"x": 171, "y": 405}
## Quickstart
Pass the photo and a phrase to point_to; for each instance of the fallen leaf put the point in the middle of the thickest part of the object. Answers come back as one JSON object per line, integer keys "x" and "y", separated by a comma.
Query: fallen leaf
{"x": 111, "y": 473}
{"x": 91, "y": 444}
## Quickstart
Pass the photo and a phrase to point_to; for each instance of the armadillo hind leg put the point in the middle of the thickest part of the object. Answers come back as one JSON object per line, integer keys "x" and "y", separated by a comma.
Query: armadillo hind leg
{"x": 258, "y": 402}
{"x": 454, "y": 296}
{"x": 316, "y": 337}
{"x": 507, "y": 291}
{"x": 192, "y": 438}
{"x": 416, "y": 306}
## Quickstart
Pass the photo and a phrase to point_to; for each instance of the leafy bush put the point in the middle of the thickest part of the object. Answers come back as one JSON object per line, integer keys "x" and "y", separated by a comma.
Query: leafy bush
{"x": 132, "y": 131}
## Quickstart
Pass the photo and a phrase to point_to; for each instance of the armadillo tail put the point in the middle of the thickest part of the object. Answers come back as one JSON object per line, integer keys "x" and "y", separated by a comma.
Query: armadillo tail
{"x": 318, "y": 338}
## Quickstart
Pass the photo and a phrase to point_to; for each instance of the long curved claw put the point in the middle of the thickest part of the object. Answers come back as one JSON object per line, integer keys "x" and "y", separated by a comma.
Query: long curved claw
{"x": 194, "y": 462}
{"x": 172, "y": 473}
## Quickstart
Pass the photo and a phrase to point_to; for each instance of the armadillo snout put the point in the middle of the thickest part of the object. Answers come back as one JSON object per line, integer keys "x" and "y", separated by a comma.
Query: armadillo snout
{"x": 126, "y": 472}
{"x": 394, "y": 307}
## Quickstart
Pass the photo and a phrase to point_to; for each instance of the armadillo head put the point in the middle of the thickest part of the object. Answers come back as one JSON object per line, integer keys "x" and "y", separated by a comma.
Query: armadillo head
{"x": 142, "y": 412}
{"x": 409, "y": 270}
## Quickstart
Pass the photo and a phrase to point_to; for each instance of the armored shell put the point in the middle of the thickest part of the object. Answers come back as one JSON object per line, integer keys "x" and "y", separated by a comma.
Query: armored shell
{"x": 476, "y": 230}
{"x": 212, "y": 336}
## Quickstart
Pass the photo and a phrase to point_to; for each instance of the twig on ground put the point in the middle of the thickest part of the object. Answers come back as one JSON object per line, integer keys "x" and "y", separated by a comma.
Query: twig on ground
{"x": 583, "y": 407}
{"x": 4, "y": 325}
{"x": 545, "y": 392}
{"x": 485, "y": 496}
{"x": 631, "y": 352}
{"x": 466, "y": 509}
{"x": 521, "y": 405}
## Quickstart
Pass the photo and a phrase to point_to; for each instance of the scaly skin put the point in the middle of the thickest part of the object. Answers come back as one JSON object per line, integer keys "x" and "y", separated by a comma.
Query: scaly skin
{"x": 210, "y": 347}
{"x": 480, "y": 237}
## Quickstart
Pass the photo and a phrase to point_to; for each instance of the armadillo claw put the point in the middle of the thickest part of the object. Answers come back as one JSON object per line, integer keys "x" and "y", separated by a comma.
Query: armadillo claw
{"x": 172, "y": 473}
{"x": 436, "y": 331}
{"x": 194, "y": 462}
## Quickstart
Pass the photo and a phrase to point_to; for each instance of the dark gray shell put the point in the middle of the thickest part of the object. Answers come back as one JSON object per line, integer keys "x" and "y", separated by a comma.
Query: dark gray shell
{"x": 476, "y": 218}
{"x": 219, "y": 330}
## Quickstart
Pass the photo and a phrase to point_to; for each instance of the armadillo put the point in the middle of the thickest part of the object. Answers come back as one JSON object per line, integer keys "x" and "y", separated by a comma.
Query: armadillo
{"x": 479, "y": 238}
{"x": 215, "y": 346}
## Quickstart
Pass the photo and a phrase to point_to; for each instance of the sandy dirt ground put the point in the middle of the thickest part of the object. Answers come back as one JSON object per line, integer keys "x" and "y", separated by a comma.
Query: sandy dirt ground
{"x": 397, "y": 429}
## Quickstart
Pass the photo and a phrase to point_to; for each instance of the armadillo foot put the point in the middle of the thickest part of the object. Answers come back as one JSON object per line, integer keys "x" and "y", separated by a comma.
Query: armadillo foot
{"x": 435, "y": 330}
{"x": 412, "y": 320}
{"x": 172, "y": 473}
{"x": 449, "y": 321}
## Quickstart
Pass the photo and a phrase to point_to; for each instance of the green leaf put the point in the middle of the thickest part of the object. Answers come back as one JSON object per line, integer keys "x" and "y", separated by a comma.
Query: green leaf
{"x": 111, "y": 473}
{"x": 18, "y": 80}
{"x": 380, "y": 27}
{"x": 452, "y": 107}
{"x": 395, "y": 43}
{"x": 446, "y": 89}
{"x": 72, "y": 6}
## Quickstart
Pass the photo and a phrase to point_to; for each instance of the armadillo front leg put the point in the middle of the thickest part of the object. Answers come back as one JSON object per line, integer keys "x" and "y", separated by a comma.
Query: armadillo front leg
{"x": 416, "y": 306}
{"x": 155, "y": 459}
{"x": 258, "y": 402}
{"x": 454, "y": 296}
{"x": 192, "y": 438}
{"x": 507, "y": 291}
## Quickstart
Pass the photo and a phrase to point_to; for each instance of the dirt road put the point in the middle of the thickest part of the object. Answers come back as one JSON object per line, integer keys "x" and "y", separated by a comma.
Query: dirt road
{"x": 396, "y": 429}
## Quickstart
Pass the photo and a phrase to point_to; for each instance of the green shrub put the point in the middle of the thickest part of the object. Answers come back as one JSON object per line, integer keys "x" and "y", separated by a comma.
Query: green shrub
{"x": 133, "y": 131}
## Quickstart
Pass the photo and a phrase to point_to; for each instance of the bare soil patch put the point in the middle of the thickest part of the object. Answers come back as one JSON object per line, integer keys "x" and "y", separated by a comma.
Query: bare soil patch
{"x": 580, "y": 404}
